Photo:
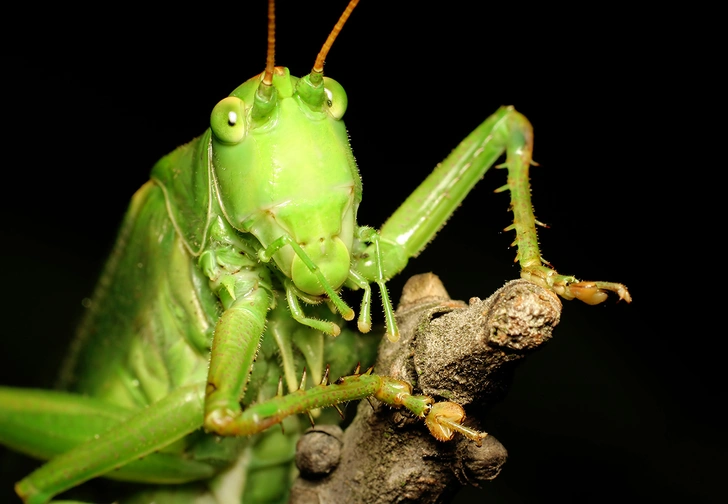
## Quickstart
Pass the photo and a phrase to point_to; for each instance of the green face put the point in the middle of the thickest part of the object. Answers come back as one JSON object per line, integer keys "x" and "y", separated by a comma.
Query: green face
{"x": 286, "y": 167}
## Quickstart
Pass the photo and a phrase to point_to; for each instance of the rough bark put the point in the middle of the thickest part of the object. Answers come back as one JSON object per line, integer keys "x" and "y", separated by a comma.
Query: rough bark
{"x": 464, "y": 353}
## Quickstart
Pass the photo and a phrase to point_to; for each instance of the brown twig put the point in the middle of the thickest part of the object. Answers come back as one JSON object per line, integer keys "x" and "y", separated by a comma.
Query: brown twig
{"x": 450, "y": 350}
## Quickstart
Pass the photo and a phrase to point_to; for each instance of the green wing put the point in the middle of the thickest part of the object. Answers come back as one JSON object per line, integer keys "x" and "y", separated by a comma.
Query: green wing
{"x": 149, "y": 324}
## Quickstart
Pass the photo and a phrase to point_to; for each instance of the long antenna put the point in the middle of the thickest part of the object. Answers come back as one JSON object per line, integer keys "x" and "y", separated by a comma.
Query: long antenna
{"x": 318, "y": 67}
{"x": 270, "y": 60}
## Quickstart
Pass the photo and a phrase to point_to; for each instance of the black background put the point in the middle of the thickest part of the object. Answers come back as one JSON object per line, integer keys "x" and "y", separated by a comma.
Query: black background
{"x": 620, "y": 404}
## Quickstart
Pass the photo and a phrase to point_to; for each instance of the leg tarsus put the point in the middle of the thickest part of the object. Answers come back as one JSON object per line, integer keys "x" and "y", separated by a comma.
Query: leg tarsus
{"x": 568, "y": 287}
{"x": 446, "y": 418}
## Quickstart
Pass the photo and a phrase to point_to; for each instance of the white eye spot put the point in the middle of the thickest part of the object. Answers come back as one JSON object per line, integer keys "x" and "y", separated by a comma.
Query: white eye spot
{"x": 232, "y": 118}
{"x": 329, "y": 97}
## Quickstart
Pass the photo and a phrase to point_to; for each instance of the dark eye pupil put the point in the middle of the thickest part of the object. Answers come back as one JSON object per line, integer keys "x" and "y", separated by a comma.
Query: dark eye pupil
{"x": 329, "y": 103}
{"x": 232, "y": 118}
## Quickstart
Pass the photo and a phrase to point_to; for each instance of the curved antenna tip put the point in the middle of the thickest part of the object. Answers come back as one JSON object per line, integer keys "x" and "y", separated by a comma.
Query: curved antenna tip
{"x": 318, "y": 66}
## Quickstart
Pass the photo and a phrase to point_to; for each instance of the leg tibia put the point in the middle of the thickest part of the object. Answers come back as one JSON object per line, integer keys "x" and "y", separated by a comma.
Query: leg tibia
{"x": 258, "y": 417}
{"x": 426, "y": 210}
{"x": 44, "y": 424}
{"x": 443, "y": 419}
{"x": 139, "y": 435}
{"x": 533, "y": 266}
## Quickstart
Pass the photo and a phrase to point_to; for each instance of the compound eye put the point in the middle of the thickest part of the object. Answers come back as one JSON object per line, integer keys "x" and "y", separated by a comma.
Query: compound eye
{"x": 228, "y": 120}
{"x": 336, "y": 99}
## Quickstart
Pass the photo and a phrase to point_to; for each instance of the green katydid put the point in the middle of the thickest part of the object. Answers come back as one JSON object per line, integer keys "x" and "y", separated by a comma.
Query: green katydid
{"x": 353, "y": 259}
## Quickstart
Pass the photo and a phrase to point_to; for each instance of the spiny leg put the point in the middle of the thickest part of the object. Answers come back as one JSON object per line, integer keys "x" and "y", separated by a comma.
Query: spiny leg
{"x": 533, "y": 265}
{"x": 425, "y": 211}
{"x": 234, "y": 349}
{"x": 442, "y": 419}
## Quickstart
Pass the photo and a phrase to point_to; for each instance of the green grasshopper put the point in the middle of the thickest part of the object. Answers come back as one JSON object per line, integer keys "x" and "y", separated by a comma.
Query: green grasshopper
{"x": 247, "y": 258}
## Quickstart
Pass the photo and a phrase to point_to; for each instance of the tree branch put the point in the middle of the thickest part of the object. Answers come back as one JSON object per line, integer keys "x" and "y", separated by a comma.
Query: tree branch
{"x": 464, "y": 353}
